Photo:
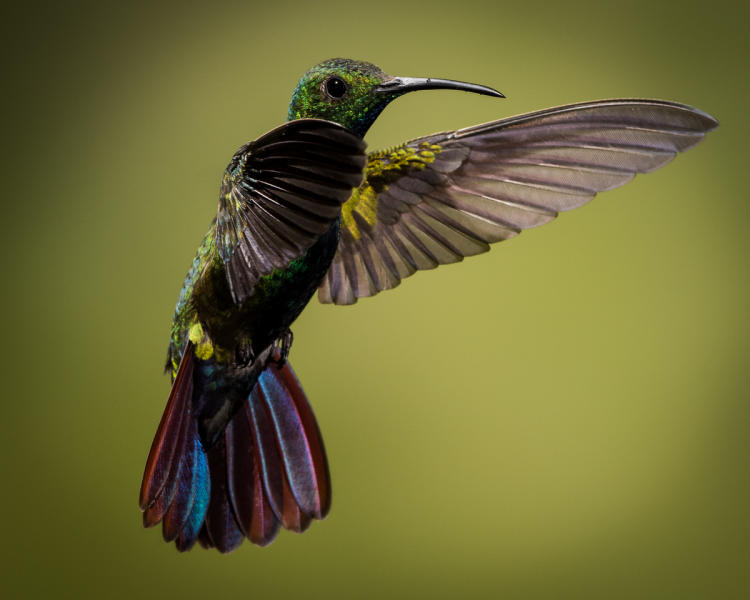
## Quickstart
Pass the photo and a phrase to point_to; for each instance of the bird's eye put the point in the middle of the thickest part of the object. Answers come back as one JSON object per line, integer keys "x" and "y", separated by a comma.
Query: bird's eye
{"x": 335, "y": 87}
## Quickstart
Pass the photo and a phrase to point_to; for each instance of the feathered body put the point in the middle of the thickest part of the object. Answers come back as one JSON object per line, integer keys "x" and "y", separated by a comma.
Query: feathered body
{"x": 238, "y": 452}
{"x": 278, "y": 300}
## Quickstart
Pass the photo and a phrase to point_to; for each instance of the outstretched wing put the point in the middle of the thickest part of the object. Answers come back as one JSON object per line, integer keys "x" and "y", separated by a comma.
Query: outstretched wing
{"x": 439, "y": 198}
{"x": 280, "y": 193}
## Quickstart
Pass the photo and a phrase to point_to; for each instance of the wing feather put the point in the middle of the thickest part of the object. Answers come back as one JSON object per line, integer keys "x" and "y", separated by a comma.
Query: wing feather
{"x": 439, "y": 198}
{"x": 280, "y": 193}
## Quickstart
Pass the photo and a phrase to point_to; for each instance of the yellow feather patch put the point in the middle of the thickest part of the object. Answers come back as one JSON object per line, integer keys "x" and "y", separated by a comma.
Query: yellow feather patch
{"x": 364, "y": 201}
{"x": 383, "y": 167}
{"x": 204, "y": 349}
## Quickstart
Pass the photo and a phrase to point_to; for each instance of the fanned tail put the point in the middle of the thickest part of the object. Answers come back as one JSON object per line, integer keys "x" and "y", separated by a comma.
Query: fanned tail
{"x": 267, "y": 468}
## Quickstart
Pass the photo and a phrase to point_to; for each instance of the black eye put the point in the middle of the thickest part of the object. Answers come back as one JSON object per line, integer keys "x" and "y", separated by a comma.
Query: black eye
{"x": 335, "y": 87}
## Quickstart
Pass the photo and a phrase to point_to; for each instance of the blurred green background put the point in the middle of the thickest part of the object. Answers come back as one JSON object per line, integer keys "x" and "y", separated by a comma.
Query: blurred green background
{"x": 564, "y": 417}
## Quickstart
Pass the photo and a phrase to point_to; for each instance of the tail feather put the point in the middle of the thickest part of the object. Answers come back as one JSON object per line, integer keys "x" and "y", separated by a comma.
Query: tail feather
{"x": 199, "y": 493}
{"x": 204, "y": 539}
{"x": 163, "y": 459}
{"x": 267, "y": 468}
{"x": 240, "y": 470}
{"x": 320, "y": 474}
{"x": 182, "y": 504}
{"x": 180, "y": 468}
{"x": 292, "y": 517}
{"x": 264, "y": 526}
{"x": 291, "y": 438}
{"x": 264, "y": 440}
{"x": 221, "y": 524}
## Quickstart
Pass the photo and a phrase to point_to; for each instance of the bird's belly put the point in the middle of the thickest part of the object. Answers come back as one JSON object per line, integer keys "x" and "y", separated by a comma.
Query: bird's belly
{"x": 281, "y": 296}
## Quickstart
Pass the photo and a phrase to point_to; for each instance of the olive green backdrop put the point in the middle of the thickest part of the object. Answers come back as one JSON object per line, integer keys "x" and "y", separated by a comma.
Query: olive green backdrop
{"x": 565, "y": 417}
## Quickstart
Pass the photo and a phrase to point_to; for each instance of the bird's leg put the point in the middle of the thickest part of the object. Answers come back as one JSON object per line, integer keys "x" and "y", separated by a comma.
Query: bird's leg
{"x": 285, "y": 345}
{"x": 243, "y": 354}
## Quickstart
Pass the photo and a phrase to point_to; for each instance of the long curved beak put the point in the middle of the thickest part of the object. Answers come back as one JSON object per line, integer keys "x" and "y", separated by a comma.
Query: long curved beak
{"x": 402, "y": 85}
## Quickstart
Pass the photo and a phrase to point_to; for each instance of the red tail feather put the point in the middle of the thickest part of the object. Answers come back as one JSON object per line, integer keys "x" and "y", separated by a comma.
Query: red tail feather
{"x": 268, "y": 468}
{"x": 164, "y": 457}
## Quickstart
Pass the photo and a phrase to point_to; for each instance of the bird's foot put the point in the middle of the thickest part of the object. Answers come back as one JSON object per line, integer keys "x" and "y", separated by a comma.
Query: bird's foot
{"x": 284, "y": 345}
{"x": 243, "y": 355}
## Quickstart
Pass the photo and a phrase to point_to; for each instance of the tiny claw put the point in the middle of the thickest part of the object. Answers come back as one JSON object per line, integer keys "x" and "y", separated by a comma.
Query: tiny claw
{"x": 243, "y": 355}
{"x": 285, "y": 345}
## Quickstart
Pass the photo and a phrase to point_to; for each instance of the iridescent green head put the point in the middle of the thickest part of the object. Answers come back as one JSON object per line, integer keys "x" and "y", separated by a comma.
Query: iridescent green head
{"x": 354, "y": 93}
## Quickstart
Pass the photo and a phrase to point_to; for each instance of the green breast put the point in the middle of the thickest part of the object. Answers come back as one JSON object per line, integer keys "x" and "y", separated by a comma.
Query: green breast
{"x": 279, "y": 298}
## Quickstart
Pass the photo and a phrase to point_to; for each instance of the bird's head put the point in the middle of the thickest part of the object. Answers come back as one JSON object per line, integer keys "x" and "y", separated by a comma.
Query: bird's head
{"x": 354, "y": 93}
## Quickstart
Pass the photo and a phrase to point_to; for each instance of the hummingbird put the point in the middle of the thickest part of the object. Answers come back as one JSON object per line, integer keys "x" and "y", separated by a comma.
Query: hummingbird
{"x": 238, "y": 453}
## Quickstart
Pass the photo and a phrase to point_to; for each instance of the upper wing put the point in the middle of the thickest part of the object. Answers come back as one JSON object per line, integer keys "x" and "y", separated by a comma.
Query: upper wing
{"x": 280, "y": 193}
{"x": 439, "y": 198}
